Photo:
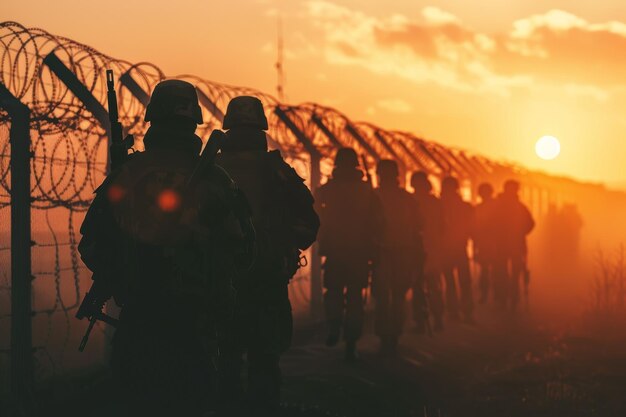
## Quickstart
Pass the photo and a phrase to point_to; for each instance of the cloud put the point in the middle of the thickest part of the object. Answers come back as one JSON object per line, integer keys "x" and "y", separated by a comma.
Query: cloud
{"x": 586, "y": 91}
{"x": 556, "y": 48}
{"x": 394, "y": 105}
{"x": 437, "y": 49}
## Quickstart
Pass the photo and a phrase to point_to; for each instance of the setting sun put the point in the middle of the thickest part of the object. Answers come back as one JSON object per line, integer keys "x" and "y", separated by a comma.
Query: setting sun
{"x": 548, "y": 147}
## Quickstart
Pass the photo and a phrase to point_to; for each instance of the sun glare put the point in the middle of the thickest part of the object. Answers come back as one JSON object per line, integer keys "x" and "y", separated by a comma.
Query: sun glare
{"x": 548, "y": 147}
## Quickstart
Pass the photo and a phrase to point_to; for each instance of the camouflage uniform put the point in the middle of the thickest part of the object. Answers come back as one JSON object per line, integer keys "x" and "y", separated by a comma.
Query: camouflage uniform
{"x": 351, "y": 220}
{"x": 427, "y": 291}
{"x": 459, "y": 218}
{"x": 285, "y": 222}
{"x": 401, "y": 253}
{"x": 484, "y": 238}
{"x": 514, "y": 223}
{"x": 163, "y": 243}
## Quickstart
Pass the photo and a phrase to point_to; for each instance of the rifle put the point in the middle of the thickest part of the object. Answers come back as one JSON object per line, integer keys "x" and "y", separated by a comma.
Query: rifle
{"x": 119, "y": 145}
{"x": 91, "y": 308}
{"x": 93, "y": 303}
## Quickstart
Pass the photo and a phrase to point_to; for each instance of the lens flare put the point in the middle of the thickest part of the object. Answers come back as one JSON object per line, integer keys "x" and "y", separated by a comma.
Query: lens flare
{"x": 169, "y": 200}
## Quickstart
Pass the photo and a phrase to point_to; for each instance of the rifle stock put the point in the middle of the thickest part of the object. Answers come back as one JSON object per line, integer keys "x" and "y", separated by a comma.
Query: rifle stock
{"x": 93, "y": 303}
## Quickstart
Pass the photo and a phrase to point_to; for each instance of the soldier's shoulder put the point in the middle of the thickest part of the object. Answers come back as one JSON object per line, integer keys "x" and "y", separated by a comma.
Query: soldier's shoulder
{"x": 285, "y": 172}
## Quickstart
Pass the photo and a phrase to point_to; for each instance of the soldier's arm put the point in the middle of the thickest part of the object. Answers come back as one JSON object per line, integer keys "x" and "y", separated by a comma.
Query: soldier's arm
{"x": 301, "y": 201}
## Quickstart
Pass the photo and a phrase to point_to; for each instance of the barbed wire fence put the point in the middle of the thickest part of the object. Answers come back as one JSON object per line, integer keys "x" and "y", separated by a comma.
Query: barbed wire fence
{"x": 63, "y": 84}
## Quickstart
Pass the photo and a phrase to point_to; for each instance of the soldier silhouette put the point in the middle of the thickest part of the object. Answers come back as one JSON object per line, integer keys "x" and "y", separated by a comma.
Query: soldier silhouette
{"x": 428, "y": 280}
{"x": 484, "y": 238}
{"x": 286, "y": 223}
{"x": 351, "y": 222}
{"x": 162, "y": 239}
{"x": 514, "y": 222}
{"x": 458, "y": 216}
{"x": 399, "y": 257}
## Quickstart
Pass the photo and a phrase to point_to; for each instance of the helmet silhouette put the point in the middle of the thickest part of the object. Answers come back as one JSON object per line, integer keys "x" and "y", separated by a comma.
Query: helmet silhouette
{"x": 388, "y": 169}
{"x": 346, "y": 158}
{"x": 485, "y": 190}
{"x": 245, "y": 111}
{"x": 174, "y": 98}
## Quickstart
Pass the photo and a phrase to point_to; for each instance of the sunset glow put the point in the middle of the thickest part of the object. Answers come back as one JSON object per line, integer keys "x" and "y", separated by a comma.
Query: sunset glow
{"x": 548, "y": 148}
{"x": 441, "y": 69}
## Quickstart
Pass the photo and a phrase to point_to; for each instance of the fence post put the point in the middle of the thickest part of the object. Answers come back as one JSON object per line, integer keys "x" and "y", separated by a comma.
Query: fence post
{"x": 316, "y": 261}
{"x": 22, "y": 378}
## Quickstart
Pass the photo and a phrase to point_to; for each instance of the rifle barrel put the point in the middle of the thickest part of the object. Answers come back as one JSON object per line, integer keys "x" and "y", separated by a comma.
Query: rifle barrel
{"x": 111, "y": 97}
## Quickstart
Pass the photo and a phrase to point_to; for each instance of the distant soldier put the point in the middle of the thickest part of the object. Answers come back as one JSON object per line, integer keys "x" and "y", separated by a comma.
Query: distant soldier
{"x": 459, "y": 218}
{"x": 400, "y": 255}
{"x": 514, "y": 223}
{"x": 428, "y": 280}
{"x": 286, "y": 223}
{"x": 161, "y": 238}
{"x": 484, "y": 238}
{"x": 351, "y": 222}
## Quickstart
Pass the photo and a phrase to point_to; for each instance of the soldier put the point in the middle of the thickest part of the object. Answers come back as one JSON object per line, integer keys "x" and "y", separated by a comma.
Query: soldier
{"x": 351, "y": 220}
{"x": 400, "y": 254}
{"x": 514, "y": 223}
{"x": 162, "y": 240}
{"x": 458, "y": 216}
{"x": 429, "y": 278}
{"x": 286, "y": 223}
{"x": 484, "y": 238}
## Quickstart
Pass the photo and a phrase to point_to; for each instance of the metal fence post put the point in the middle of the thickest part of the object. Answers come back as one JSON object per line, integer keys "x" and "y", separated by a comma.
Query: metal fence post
{"x": 22, "y": 378}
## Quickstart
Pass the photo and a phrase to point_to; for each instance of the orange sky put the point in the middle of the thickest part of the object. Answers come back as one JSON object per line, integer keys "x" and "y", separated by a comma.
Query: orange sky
{"x": 491, "y": 76}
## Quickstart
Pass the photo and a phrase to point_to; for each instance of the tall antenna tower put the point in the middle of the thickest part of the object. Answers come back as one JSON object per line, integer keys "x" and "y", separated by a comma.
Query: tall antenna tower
{"x": 280, "y": 76}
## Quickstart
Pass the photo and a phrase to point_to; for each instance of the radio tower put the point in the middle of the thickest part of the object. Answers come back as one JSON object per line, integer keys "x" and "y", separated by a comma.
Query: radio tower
{"x": 280, "y": 81}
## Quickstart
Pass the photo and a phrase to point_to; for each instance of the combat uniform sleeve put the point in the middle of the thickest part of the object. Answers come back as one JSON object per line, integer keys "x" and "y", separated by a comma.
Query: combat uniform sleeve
{"x": 320, "y": 208}
{"x": 377, "y": 224}
{"x": 306, "y": 222}
{"x": 100, "y": 244}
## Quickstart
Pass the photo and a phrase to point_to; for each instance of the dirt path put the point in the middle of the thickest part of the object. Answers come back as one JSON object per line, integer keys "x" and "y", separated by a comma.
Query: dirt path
{"x": 504, "y": 366}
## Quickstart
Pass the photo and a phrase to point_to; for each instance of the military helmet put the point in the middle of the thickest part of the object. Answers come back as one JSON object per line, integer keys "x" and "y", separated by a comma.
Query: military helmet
{"x": 346, "y": 158}
{"x": 419, "y": 180}
{"x": 174, "y": 98}
{"x": 388, "y": 168}
{"x": 511, "y": 187}
{"x": 245, "y": 111}
{"x": 449, "y": 184}
{"x": 485, "y": 190}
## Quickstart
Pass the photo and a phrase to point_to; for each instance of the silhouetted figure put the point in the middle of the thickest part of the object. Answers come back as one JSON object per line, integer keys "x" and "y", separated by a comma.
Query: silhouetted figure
{"x": 484, "y": 238}
{"x": 400, "y": 255}
{"x": 572, "y": 226}
{"x": 514, "y": 222}
{"x": 286, "y": 223}
{"x": 160, "y": 237}
{"x": 428, "y": 280}
{"x": 351, "y": 222}
{"x": 459, "y": 218}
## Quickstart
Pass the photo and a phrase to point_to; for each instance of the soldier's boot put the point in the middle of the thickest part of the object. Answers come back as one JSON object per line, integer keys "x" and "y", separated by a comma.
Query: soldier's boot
{"x": 351, "y": 352}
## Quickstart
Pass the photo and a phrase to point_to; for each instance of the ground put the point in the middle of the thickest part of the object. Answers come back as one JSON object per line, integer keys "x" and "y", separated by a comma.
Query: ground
{"x": 505, "y": 365}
